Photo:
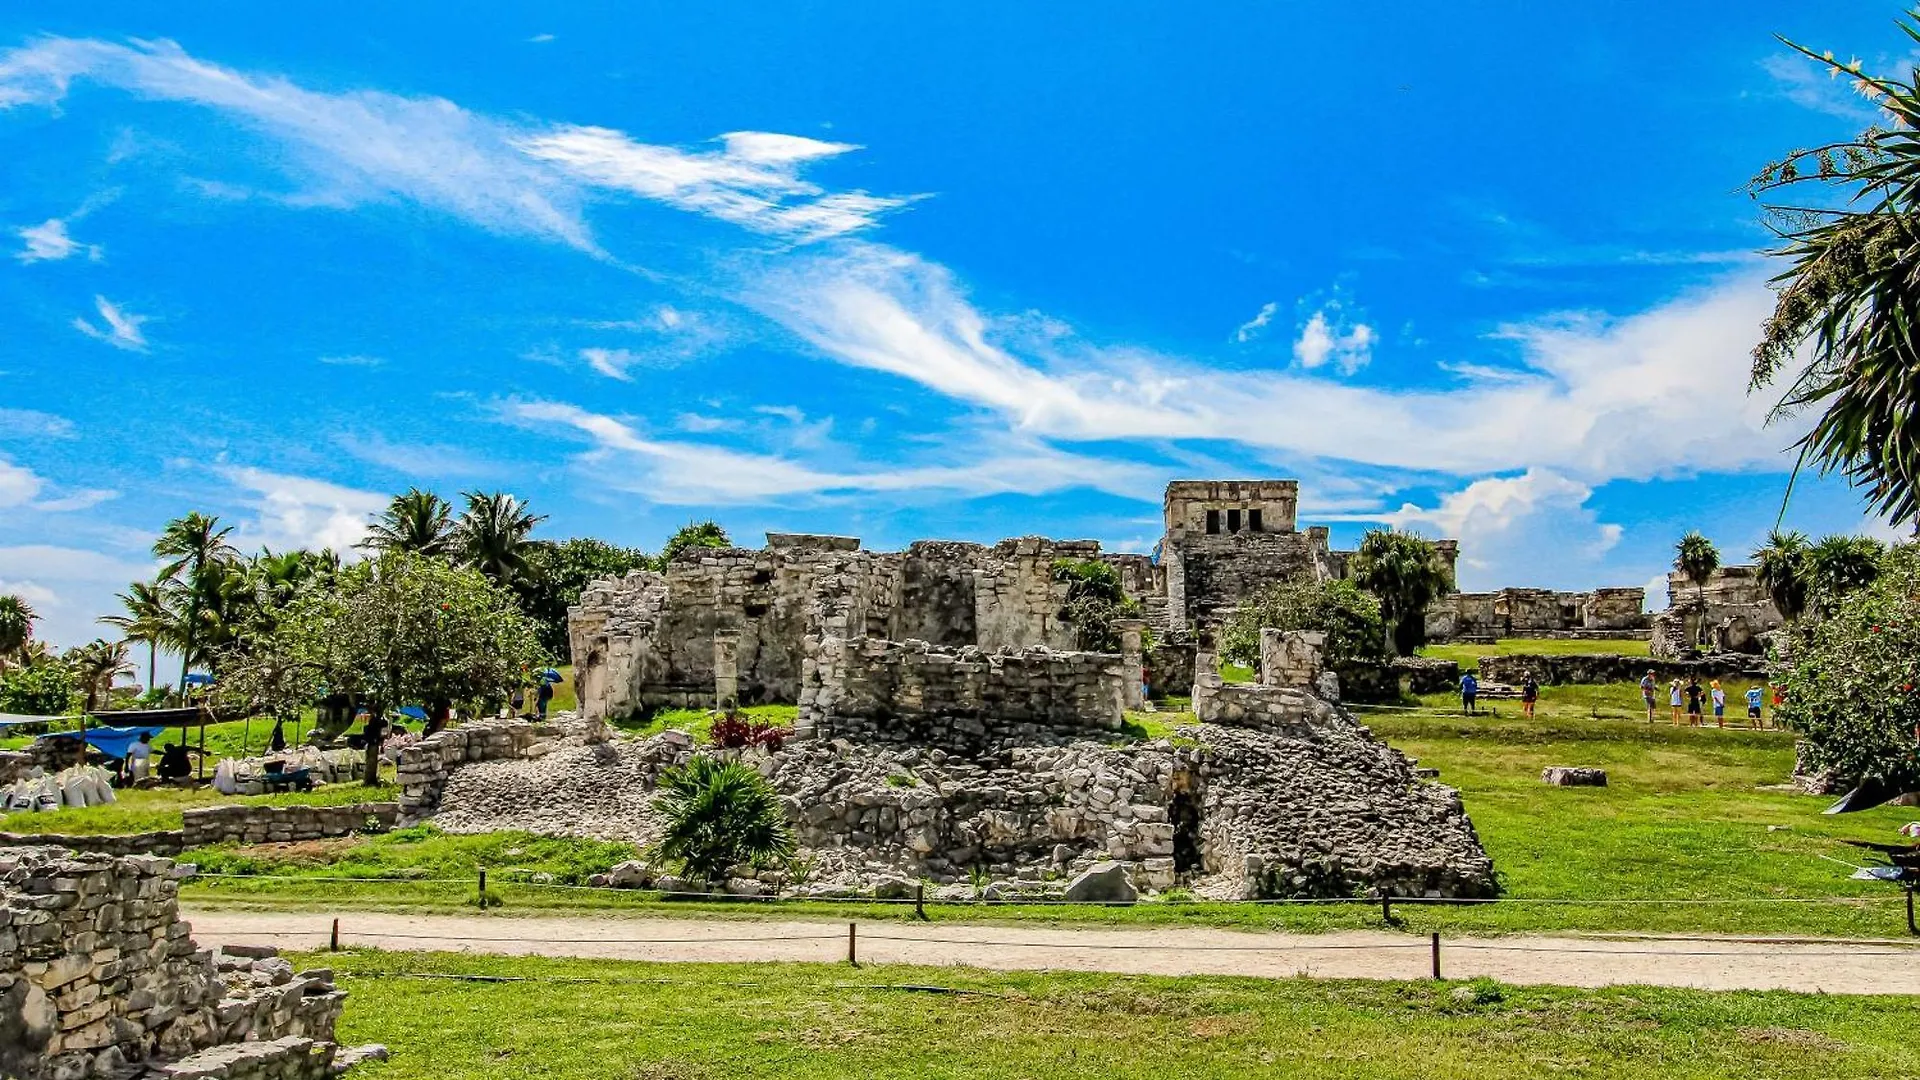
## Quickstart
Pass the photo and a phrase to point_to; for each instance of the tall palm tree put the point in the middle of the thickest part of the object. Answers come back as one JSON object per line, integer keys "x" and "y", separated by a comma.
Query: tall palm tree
{"x": 16, "y": 628}
{"x": 419, "y": 521}
{"x": 97, "y": 664}
{"x": 1405, "y": 573}
{"x": 1851, "y": 292}
{"x": 1696, "y": 558}
{"x": 193, "y": 546}
{"x": 149, "y": 620}
{"x": 1781, "y": 565}
{"x": 492, "y": 535}
{"x": 1838, "y": 565}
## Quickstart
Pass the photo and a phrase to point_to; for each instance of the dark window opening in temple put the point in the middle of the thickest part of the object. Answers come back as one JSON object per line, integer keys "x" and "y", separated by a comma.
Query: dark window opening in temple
{"x": 1253, "y": 521}
{"x": 1213, "y": 522}
{"x": 1233, "y": 521}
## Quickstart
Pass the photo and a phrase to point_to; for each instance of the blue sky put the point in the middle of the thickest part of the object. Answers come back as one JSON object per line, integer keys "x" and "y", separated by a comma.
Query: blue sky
{"x": 1481, "y": 270}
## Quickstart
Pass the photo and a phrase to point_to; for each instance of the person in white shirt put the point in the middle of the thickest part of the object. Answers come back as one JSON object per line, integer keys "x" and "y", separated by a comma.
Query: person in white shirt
{"x": 137, "y": 758}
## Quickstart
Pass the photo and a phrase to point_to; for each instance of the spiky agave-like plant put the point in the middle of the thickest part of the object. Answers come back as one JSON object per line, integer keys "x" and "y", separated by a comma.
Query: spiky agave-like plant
{"x": 718, "y": 814}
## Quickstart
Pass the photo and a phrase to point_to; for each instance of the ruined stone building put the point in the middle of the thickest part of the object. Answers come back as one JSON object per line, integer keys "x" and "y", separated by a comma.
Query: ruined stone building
{"x": 1728, "y": 613}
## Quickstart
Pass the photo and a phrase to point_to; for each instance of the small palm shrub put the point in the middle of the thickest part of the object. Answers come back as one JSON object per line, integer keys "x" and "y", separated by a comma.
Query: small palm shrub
{"x": 718, "y": 814}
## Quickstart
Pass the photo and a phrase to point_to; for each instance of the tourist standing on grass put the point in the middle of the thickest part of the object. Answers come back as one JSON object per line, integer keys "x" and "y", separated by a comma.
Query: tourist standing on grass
{"x": 139, "y": 756}
{"x": 1694, "y": 699}
{"x": 1648, "y": 688}
{"x": 1719, "y": 705}
{"x": 1673, "y": 699}
{"x": 1754, "y": 695}
{"x": 1469, "y": 692}
{"x": 1529, "y": 693}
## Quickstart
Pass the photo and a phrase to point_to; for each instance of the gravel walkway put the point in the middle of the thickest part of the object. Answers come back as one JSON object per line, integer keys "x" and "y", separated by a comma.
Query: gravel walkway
{"x": 1837, "y": 967}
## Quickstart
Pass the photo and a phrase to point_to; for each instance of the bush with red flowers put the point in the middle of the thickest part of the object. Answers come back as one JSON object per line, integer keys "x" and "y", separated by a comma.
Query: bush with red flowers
{"x": 734, "y": 731}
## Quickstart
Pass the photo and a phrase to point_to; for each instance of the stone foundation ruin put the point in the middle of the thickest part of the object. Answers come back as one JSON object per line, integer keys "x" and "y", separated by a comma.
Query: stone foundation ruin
{"x": 99, "y": 977}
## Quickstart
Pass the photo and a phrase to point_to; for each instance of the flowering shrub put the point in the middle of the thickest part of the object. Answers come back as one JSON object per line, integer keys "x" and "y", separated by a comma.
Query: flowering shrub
{"x": 734, "y": 731}
{"x": 1849, "y": 674}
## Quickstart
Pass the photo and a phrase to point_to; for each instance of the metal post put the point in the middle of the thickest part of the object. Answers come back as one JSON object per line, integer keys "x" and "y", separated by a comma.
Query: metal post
{"x": 1436, "y": 955}
{"x": 333, "y": 943}
{"x": 483, "y": 888}
{"x": 853, "y": 958}
{"x": 1386, "y": 906}
{"x": 920, "y": 901}
{"x": 1912, "y": 927}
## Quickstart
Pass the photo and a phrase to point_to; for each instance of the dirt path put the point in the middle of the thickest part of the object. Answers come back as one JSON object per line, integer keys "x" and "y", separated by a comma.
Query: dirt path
{"x": 1837, "y": 967}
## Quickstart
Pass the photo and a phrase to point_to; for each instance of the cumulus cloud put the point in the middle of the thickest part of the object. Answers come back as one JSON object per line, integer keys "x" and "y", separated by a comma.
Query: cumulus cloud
{"x": 1504, "y": 522}
{"x": 68, "y": 587}
{"x": 1325, "y": 338}
{"x": 298, "y": 512}
{"x": 21, "y": 488}
{"x": 119, "y": 328}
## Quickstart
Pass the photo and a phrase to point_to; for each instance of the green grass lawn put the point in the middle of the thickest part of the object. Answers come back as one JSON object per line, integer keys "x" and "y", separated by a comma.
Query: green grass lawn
{"x": 560, "y": 1019}
{"x": 160, "y": 808}
{"x": 1468, "y": 655}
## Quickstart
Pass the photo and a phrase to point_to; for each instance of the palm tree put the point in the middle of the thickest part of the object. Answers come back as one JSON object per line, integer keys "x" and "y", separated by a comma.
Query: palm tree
{"x": 492, "y": 535}
{"x": 16, "y": 628}
{"x": 419, "y": 521}
{"x": 1851, "y": 293}
{"x": 1405, "y": 573}
{"x": 1696, "y": 558}
{"x": 1838, "y": 565}
{"x": 719, "y": 813}
{"x": 97, "y": 664}
{"x": 192, "y": 545}
{"x": 1781, "y": 565}
{"x": 149, "y": 620}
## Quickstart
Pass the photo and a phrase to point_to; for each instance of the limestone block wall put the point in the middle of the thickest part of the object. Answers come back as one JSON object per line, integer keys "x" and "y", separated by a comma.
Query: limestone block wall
{"x": 1170, "y": 666}
{"x": 1218, "y": 572}
{"x": 935, "y": 596}
{"x": 1186, "y": 503}
{"x": 872, "y": 689}
{"x": 167, "y": 842}
{"x": 259, "y": 824}
{"x": 1615, "y": 609}
{"x": 1612, "y": 667}
{"x": 1291, "y": 657}
{"x": 1287, "y": 709}
{"x": 425, "y": 765}
{"x": 1536, "y": 613}
{"x": 99, "y": 975}
{"x": 1017, "y": 602}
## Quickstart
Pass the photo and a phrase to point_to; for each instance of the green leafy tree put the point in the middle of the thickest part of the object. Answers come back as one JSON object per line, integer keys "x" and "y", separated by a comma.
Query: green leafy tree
{"x": 405, "y": 628}
{"x": 1095, "y": 603}
{"x": 1851, "y": 683}
{"x": 492, "y": 536}
{"x": 557, "y": 573}
{"x": 694, "y": 534}
{"x": 271, "y": 674}
{"x": 419, "y": 521}
{"x": 1845, "y": 213}
{"x": 43, "y": 688}
{"x": 196, "y": 552}
{"x": 16, "y": 628}
{"x": 1781, "y": 565}
{"x": 1406, "y": 574}
{"x": 1838, "y": 565}
{"x": 1696, "y": 558}
{"x": 1349, "y": 617}
{"x": 719, "y": 814}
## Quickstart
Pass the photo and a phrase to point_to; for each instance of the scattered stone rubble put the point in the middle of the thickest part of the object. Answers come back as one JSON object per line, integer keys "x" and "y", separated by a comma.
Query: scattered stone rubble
{"x": 99, "y": 977}
{"x": 1573, "y": 776}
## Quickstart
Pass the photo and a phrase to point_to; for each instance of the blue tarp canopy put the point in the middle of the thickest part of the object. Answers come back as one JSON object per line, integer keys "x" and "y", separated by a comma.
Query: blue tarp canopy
{"x": 111, "y": 741}
{"x": 414, "y": 711}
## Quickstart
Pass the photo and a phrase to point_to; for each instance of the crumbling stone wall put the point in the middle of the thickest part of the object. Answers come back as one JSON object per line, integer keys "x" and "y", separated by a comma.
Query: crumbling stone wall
{"x": 872, "y": 689}
{"x": 1220, "y": 571}
{"x": 935, "y": 599}
{"x": 163, "y": 842}
{"x": 1016, "y": 600}
{"x": 1536, "y": 613}
{"x": 100, "y": 976}
{"x": 1291, "y": 657}
{"x": 250, "y": 824}
{"x": 424, "y": 766}
{"x": 1556, "y": 669}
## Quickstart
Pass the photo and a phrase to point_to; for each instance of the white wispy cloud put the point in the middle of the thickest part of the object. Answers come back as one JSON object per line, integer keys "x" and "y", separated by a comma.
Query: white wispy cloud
{"x": 540, "y": 39}
{"x": 678, "y": 471}
{"x": 353, "y": 360}
{"x": 1503, "y": 522}
{"x": 1251, "y": 328}
{"x": 120, "y": 329}
{"x": 49, "y": 241}
{"x": 32, "y": 423}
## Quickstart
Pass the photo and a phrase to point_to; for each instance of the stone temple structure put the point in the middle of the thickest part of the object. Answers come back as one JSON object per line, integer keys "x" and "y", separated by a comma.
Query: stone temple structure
{"x": 947, "y": 726}
{"x": 1729, "y": 613}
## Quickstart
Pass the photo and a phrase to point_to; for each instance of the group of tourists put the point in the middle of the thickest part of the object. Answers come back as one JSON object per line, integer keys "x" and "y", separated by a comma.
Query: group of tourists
{"x": 1694, "y": 698}
{"x": 1470, "y": 694}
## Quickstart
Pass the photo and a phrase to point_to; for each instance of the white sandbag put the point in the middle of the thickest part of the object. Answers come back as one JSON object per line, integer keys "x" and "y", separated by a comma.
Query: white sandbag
{"x": 223, "y": 779}
{"x": 18, "y": 796}
{"x": 46, "y": 795}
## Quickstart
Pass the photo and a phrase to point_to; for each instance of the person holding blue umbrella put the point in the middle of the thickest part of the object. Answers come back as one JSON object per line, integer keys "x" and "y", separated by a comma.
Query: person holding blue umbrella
{"x": 544, "y": 694}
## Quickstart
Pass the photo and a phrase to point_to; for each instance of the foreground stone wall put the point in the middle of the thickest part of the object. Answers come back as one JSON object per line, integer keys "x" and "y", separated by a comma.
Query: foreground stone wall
{"x": 1555, "y": 670}
{"x": 99, "y": 977}
{"x": 167, "y": 842}
{"x": 872, "y": 689}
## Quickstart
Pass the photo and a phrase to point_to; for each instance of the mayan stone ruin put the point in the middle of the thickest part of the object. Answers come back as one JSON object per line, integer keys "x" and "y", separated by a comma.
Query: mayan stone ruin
{"x": 100, "y": 977}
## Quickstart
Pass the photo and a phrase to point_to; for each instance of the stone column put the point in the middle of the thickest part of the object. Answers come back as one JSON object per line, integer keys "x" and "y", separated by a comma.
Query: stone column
{"x": 1291, "y": 657}
{"x": 726, "y": 669}
{"x": 1132, "y": 661}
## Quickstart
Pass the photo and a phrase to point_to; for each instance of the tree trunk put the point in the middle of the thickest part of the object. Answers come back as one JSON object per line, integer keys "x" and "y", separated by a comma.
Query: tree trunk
{"x": 151, "y": 657}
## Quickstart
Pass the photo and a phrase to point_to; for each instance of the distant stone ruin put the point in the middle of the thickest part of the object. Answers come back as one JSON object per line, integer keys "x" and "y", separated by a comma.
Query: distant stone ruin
{"x": 1731, "y": 613}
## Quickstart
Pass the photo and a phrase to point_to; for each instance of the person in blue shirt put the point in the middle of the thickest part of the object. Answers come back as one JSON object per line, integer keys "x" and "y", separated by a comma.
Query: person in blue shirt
{"x": 1469, "y": 690}
{"x": 1754, "y": 697}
